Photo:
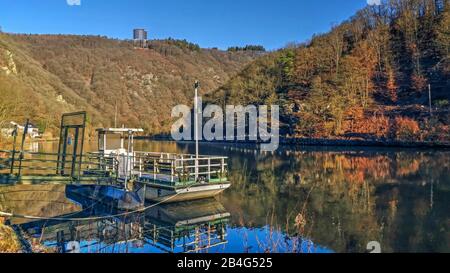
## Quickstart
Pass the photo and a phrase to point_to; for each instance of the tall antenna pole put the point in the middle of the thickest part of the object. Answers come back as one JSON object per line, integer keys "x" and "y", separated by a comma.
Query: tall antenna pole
{"x": 197, "y": 85}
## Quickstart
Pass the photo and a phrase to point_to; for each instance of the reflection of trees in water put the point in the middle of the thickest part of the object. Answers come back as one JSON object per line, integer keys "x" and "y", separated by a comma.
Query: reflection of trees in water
{"x": 345, "y": 200}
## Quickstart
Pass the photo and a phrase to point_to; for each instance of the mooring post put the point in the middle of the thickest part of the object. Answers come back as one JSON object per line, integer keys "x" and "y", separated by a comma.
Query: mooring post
{"x": 13, "y": 158}
{"x": 25, "y": 131}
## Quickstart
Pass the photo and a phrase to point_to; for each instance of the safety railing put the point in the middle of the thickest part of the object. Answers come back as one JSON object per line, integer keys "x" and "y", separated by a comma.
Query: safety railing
{"x": 179, "y": 169}
{"x": 169, "y": 169}
{"x": 25, "y": 163}
{"x": 146, "y": 167}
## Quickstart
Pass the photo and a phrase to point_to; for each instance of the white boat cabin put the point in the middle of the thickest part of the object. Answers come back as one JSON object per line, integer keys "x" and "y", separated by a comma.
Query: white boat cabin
{"x": 119, "y": 143}
{"x": 116, "y": 141}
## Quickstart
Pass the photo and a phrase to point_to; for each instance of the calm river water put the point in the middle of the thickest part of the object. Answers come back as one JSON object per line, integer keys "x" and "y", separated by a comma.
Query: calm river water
{"x": 311, "y": 199}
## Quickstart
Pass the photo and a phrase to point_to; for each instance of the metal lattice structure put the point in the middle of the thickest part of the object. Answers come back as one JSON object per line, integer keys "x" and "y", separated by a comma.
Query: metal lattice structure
{"x": 70, "y": 154}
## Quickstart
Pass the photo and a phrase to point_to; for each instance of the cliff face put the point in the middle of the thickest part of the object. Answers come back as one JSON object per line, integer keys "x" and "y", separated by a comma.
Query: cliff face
{"x": 43, "y": 76}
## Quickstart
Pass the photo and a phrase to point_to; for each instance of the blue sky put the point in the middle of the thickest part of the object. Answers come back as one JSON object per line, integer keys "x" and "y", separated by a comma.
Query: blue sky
{"x": 210, "y": 23}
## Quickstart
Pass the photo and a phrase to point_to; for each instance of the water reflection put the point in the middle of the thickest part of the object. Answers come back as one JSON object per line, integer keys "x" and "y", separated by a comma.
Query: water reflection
{"x": 301, "y": 200}
{"x": 342, "y": 198}
{"x": 190, "y": 227}
{"x": 172, "y": 228}
{"x": 345, "y": 199}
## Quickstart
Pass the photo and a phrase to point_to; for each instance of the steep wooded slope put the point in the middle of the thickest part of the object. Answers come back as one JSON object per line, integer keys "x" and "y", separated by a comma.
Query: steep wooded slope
{"x": 367, "y": 78}
{"x": 43, "y": 76}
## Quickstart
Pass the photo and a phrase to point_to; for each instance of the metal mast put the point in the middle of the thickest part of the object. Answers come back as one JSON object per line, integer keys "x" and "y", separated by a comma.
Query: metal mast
{"x": 196, "y": 125}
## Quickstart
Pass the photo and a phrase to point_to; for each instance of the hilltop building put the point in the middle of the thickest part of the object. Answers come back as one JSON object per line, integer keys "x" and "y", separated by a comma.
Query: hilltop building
{"x": 140, "y": 37}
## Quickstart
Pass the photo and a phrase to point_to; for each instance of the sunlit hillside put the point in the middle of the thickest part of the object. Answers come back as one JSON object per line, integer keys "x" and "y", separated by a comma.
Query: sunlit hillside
{"x": 368, "y": 78}
{"x": 43, "y": 76}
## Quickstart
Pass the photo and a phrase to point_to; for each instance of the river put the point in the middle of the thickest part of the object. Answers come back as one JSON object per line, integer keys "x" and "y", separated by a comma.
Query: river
{"x": 302, "y": 200}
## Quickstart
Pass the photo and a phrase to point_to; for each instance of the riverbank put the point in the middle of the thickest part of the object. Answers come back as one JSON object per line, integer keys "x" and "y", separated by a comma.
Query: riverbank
{"x": 12, "y": 241}
{"x": 364, "y": 143}
{"x": 329, "y": 142}
{"x": 9, "y": 242}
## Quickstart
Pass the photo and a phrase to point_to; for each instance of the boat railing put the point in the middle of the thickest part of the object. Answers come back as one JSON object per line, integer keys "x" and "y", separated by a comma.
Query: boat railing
{"x": 169, "y": 169}
{"x": 187, "y": 238}
{"x": 180, "y": 169}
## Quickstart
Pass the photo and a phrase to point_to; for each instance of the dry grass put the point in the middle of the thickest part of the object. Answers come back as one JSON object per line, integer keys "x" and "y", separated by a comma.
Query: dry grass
{"x": 9, "y": 243}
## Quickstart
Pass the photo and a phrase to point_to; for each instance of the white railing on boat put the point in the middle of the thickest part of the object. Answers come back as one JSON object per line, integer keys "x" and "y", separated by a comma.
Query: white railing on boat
{"x": 168, "y": 168}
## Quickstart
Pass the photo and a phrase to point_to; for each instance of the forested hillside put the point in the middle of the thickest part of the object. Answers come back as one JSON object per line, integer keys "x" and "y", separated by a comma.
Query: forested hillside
{"x": 43, "y": 76}
{"x": 368, "y": 78}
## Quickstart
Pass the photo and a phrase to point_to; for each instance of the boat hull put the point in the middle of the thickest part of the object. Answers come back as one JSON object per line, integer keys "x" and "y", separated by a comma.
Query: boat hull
{"x": 156, "y": 193}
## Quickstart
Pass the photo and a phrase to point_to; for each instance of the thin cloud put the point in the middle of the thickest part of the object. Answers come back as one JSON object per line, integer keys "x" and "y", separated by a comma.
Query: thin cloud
{"x": 74, "y": 2}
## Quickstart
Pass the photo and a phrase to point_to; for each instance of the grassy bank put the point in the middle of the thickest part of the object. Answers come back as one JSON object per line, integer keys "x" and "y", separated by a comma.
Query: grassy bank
{"x": 9, "y": 242}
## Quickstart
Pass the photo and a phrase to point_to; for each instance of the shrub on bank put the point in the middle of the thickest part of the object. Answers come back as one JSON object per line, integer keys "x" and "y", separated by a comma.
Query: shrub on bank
{"x": 406, "y": 129}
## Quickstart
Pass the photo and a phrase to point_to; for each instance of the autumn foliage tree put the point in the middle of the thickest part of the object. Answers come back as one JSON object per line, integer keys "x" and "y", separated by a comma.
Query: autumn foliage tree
{"x": 371, "y": 68}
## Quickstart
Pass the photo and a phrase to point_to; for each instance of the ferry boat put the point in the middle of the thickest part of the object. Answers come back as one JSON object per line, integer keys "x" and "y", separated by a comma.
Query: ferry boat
{"x": 161, "y": 177}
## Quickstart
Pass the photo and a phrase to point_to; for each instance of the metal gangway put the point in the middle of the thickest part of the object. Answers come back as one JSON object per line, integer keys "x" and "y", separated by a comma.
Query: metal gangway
{"x": 69, "y": 164}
